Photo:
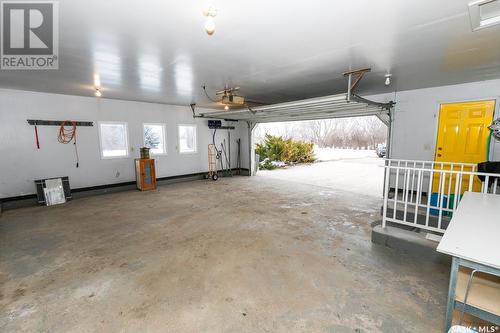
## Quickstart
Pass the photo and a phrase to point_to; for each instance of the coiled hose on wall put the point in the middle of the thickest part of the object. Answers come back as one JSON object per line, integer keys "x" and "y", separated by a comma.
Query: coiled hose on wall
{"x": 67, "y": 135}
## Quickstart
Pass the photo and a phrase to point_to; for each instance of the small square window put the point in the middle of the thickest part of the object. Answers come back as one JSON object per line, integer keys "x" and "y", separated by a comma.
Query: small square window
{"x": 114, "y": 139}
{"x": 484, "y": 13}
{"x": 154, "y": 138}
{"x": 187, "y": 139}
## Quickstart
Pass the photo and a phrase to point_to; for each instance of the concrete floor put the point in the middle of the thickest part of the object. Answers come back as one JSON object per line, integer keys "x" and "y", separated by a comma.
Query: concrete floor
{"x": 236, "y": 255}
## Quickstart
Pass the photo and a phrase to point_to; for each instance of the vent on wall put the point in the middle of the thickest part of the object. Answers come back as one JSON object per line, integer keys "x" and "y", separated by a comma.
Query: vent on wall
{"x": 484, "y": 13}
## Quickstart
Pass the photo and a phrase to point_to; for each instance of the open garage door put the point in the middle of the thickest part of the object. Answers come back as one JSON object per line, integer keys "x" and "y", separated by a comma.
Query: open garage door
{"x": 327, "y": 107}
{"x": 342, "y": 105}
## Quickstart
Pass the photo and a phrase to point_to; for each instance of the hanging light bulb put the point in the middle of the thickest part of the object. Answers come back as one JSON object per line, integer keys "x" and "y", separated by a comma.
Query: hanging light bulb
{"x": 97, "y": 81}
{"x": 210, "y": 26}
{"x": 98, "y": 93}
{"x": 210, "y": 13}
{"x": 226, "y": 107}
{"x": 388, "y": 79}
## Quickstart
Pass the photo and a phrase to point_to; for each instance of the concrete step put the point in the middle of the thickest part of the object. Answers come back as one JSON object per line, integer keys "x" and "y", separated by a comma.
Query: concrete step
{"x": 406, "y": 241}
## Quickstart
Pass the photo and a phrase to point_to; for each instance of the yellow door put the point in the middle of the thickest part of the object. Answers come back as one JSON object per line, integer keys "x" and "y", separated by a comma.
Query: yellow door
{"x": 463, "y": 136}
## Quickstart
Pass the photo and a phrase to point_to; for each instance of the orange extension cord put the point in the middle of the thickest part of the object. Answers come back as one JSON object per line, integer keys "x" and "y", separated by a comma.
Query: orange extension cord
{"x": 67, "y": 135}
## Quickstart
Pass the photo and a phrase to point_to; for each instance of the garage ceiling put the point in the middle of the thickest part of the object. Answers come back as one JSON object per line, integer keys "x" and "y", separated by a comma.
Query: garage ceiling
{"x": 276, "y": 51}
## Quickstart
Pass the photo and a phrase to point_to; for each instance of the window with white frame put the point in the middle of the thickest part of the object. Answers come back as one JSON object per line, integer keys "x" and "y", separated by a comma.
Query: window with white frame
{"x": 187, "y": 139}
{"x": 155, "y": 138}
{"x": 114, "y": 139}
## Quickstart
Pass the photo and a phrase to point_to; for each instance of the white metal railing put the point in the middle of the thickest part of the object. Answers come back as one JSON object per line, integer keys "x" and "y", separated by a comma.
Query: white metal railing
{"x": 425, "y": 194}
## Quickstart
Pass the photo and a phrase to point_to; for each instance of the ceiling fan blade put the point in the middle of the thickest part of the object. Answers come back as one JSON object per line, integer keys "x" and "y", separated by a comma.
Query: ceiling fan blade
{"x": 249, "y": 101}
{"x": 227, "y": 91}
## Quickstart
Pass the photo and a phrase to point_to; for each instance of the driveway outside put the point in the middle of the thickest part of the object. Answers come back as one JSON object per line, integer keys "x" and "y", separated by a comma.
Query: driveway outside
{"x": 360, "y": 172}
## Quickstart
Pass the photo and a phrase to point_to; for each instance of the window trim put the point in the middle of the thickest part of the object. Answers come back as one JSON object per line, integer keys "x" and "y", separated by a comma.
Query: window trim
{"x": 127, "y": 140}
{"x": 165, "y": 147}
{"x": 195, "y": 139}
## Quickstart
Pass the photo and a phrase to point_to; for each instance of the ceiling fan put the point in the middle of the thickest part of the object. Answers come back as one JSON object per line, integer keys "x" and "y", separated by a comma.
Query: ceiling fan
{"x": 229, "y": 98}
{"x": 227, "y": 91}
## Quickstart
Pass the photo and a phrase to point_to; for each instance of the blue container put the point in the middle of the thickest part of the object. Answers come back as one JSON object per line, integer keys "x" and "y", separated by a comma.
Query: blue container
{"x": 434, "y": 203}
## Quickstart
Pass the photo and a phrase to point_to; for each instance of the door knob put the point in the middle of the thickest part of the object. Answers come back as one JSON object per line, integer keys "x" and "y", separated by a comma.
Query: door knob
{"x": 440, "y": 148}
{"x": 439, "y": 155}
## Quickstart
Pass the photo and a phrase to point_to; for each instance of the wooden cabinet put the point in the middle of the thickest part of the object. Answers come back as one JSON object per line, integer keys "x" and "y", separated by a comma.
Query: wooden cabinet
{"x": 145, "y": 174}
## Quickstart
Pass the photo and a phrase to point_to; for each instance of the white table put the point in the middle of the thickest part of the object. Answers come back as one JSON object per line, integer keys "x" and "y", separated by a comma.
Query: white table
{"x": 473, "y": 240}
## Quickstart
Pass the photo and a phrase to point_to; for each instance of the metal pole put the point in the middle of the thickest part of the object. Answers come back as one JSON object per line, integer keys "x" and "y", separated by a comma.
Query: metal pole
{"x": 455, "y": 263}
{"x": 389, "y": 136}
{"x": 349, "y": 88}
{"x": 251, "y": 126}
{"x": 239, "y": 156}
{"x": 387, "y": 175}
{"x": 387, "y": 148}
{"x": 229, "y": 150}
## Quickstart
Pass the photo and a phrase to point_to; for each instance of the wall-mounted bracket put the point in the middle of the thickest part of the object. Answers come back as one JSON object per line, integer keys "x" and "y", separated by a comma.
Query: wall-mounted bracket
{"x": 217, "y": 124}
{"x": 385, "y": 106}
{"x": 250, "y": 109}
{"x": 192, "y": 105}
{"x": 357, "y": 75}
{"x": 38, "y": 122}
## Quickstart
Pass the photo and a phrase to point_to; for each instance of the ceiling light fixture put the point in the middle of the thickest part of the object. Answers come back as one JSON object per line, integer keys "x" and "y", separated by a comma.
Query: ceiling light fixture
{"x": 388, "y": 79}
{"x": 98, "y": 92}
{"x": 210, "y": 13}
{"x": 97, "y": 81}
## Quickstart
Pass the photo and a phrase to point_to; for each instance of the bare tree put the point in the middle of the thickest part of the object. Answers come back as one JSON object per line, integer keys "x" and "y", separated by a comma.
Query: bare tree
{"x": 375, "y": 131}
{"x": 359, "y": 133}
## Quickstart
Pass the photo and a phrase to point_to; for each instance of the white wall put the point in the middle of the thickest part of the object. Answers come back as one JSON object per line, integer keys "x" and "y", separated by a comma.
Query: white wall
{"x": 21, "y": 162}
{"x": 416, "y": 115}
{"x": 413, "y": 137}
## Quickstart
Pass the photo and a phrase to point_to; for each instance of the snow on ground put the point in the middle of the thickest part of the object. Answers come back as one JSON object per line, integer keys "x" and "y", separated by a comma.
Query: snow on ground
{"x": 332, "y": 154}
{"x": 359, "y": 171}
